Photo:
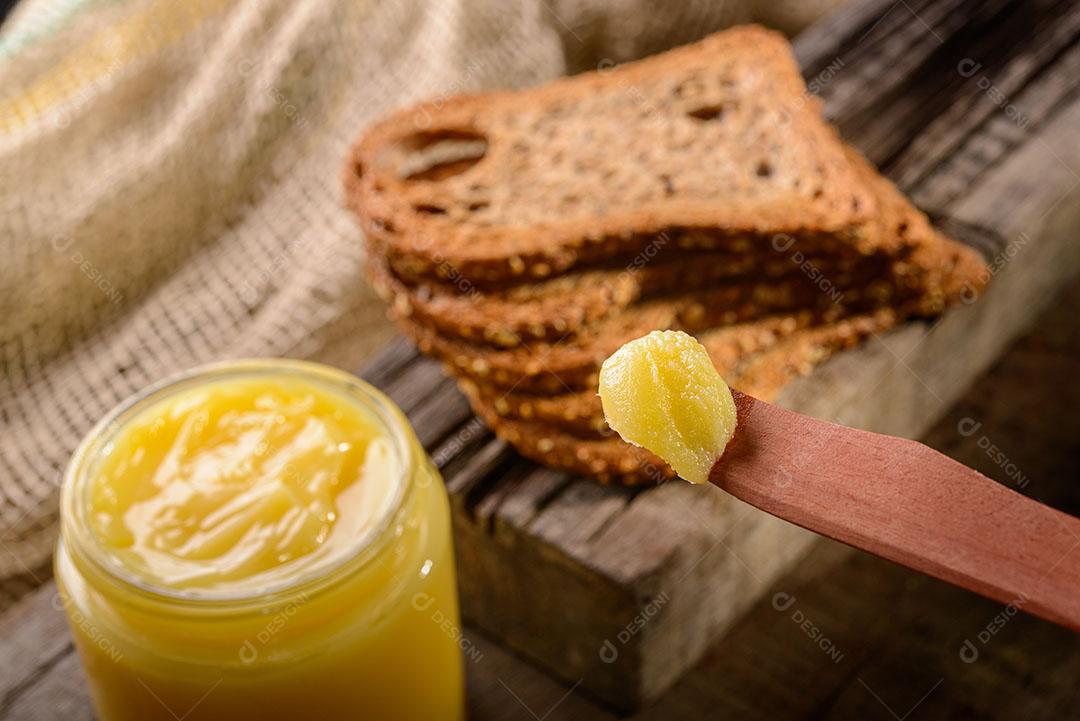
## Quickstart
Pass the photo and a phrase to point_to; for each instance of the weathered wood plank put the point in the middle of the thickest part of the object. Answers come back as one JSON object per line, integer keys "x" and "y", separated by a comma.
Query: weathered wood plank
{"x": 390, "y": 362}
{"x": 844, "y": 635}
{"x": 516, "y": 510}
{"x": 34, "y": 639}
{"x": 574, "y": 518}
{"x": 444, "y": 410}
{"x": 1030, "y": 80}
{"x": 890, "y": 76}
{"x": 411, "y": 385}
{"x": 60, "y": 693}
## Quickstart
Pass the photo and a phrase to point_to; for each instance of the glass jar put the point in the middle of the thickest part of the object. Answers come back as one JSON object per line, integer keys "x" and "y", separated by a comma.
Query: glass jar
{"x": 372, "y": 634}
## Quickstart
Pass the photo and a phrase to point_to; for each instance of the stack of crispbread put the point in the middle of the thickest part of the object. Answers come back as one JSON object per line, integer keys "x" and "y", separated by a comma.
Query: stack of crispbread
{"x": 522, "y": 237}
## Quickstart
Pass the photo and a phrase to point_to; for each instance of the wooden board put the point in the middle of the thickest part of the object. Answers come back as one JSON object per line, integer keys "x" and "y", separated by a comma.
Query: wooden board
{"x": 886, "y": 642}
{"x": 847, "y": 636}
{"x": 564, "y": 571}
{"x": 553, "y": 567}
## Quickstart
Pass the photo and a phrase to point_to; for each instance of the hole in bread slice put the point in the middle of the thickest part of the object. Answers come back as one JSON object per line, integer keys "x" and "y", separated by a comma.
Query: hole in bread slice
{"x": 437, "y": 154}
{"x": 708, "y": 112}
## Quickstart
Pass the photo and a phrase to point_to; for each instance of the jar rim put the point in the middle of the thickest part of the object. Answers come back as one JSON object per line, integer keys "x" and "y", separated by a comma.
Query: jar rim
{"x": 82, "y": 543}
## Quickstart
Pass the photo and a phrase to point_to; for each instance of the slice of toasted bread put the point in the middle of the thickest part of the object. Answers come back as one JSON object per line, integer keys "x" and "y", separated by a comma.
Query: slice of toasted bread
{"x": 572, "y": 363}
{"x": 557, "y": 308}
{"x": 716, "y": 136}
{"x": 924, "y": 269}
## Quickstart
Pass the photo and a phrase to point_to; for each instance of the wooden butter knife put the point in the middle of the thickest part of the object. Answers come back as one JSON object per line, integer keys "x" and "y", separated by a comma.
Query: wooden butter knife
{"x": 904, "y": 501}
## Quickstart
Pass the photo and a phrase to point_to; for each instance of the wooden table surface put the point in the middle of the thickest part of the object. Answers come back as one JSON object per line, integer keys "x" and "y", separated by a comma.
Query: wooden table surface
{"x": 866, "y": 639}
{"x": 973, "y": 109}
{"x": 846, "y": 635}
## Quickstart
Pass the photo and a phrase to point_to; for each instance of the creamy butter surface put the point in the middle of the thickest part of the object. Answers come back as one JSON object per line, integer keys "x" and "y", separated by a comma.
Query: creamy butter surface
{"x": 662, "y": 392}
{"x": 234, "y": 485}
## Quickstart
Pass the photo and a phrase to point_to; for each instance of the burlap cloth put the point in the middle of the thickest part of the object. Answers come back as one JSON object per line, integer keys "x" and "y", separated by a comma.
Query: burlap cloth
{"x": 169, "y": 187}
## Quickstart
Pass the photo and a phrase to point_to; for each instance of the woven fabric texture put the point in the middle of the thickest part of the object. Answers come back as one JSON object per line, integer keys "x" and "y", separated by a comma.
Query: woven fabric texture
{"x": 170, "y": 195}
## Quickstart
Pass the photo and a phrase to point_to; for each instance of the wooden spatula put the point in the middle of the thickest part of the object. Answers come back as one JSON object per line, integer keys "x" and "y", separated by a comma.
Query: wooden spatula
{"x": 906, "y": 502}
{"x": 890, "y": 496}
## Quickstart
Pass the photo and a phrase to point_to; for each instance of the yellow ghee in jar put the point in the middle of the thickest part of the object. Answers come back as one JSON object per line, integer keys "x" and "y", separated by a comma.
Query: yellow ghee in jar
{"x": 232, "y": 484}
{"x": 662, "y": 392}
{"x": 261, "y": 540}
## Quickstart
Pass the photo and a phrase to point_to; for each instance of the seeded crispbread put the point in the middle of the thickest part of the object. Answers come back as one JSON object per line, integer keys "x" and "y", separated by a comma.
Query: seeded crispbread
{"x": 924, "y": 270}
{"x": 554, "y": 309}
{"x": 718, "y": 135}
{"x": 572, "y": 363}
{"x": 501, "y": 228}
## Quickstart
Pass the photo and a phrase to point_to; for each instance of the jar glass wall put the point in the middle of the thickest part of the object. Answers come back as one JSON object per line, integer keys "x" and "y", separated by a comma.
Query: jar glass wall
{"x": 371, "y": 632}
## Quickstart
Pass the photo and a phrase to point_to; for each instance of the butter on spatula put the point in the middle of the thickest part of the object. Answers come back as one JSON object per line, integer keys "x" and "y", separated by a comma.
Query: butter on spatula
{"x": 661, "y": 392}
{"x": 890, "y": 496}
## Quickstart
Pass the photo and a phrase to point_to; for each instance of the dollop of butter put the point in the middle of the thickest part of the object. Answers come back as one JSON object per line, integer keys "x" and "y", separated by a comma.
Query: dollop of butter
{"x": 662, "y": 392}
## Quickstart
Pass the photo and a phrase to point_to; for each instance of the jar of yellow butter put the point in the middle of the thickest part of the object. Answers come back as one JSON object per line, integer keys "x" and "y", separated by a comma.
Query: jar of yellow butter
{"x": 260, "y": 540}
